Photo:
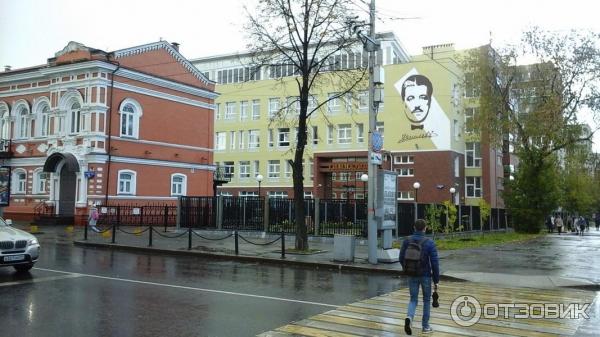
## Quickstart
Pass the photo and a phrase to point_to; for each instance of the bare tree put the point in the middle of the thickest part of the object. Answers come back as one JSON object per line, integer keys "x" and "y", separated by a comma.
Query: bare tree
{"x": 303, "y": 41}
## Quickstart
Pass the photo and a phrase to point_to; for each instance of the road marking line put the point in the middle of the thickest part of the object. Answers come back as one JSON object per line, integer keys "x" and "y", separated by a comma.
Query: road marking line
{"x": 39, "y": 279}
{"x": 193, "y": 288}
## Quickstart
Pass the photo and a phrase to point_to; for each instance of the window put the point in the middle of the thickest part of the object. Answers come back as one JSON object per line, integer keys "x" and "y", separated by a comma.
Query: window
{"x": 45, "y": 122}
{"x": 456, "y": 129}
{"x": 19, "y": 181}
{"x": 360, "y": 133}
{"x": 278, "y": 194}
{"x": 40, "y": 181}
{"x": 229, "y": 110}
{"x": 380, "y": 127}
{"x": 244, "y": 169}
{"x": 256, "y": 168}
{"x": 126, "y": 184}
{"x": 229, "y": 168}
{"x": 178, "y": 184}
{"x": 288, "y": 169}
{"x": 130, "y": 112}
{"x": 248, "y": 194}
{"x": 311, "y": 173}
{"x": 405, "y": 195}
{"x": 75, "y": 117}
{"x": 274, "y": 107}
{"x": 255, "y": 109}
{"x": 220, "y": 140}
{"x": 344, "y": 133}
{"x": 253, "y": 139}
{"x": 315, "y": 135}
{"x": 22, "y": 116}
{"x": 333, "y": 105}
{"x": 243, "y": 110}
{"x": 473, "y": 154}
{"x": 471, "y": 87}
{"x": 5, "y": 129}
{"x": 218, "y": 111}
{"x": 456, "y": 167}
{"x": 404, "y": 159}
{"x": 232, "y": 139}
{"x": 469, "y": 119}
{"x": 241, "y": 139}
{"x": 406, "y": 172}
{"x": 473, "y": 186}
{"x": 273, "y": 169}
{"x": 271, "y": 141}
{"x": 284, "y": 137}
{"x": 293, "y": 105}
{"x": 308, "y": 195}
{"x": 329, "y": 134}
{"x": 363, "y": 101}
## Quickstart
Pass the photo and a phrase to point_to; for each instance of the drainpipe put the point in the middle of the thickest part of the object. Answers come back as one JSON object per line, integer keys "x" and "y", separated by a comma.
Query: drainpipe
{"x": 109, "y": 124}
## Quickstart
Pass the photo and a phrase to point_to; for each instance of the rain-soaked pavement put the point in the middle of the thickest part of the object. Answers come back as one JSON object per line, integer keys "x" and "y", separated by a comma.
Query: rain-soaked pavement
{"x": 76, "y": 291}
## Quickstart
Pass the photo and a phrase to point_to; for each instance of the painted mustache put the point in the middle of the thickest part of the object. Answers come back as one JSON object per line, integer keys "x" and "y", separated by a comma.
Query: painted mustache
{"x": 417, "y": 109}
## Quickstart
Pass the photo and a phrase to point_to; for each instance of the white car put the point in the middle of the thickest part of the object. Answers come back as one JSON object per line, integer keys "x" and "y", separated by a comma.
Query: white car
{"x": 17, "y": 248}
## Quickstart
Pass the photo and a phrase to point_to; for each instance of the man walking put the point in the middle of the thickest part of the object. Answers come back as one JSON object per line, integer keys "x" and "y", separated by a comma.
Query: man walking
{"x": 419, "y": 259}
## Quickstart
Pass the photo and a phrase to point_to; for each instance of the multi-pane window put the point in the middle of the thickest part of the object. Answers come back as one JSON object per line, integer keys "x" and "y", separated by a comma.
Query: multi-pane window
{"x": 473, "y": 187}
{"x": 45, "y": 121}
{"x": 253, "y": 139}
{"x": 75, "y": 117}
{"x": 229, "y": 167}
{"x": 244, "y": 169}
{"x": 456, "y": 129}
{"x": 40, "y": 181}
{"x": 23, "y": 113}
{"x": 243, "y": 110}
{"x": 406, "y": 171}
{"x": 220, "y": 140}
{"x": 308, "y": 195}
{"x": 404, "y": 159}
{"x": 329, "y": 134}
{"x": 126, "y": 183}
{"x": 248, "y": 193}
{"x": 255, "y": 109}
{"x": 218, "y": 111}
{"x": 241, "y": 139}
{"x": 274, "y": 106}
{"x": 130, "y": 118}
{"x": 405, "y": 195}
{"x": 232, "y": 139}
{"x": 363, "y": 101}
{"x": 293, "y": 105}
{"x": 380, "y": 127}
{"x": 230, "y": 110}
{"x": 360, "y": 133}
{"x": 288, "y": 169}
{"x": 274, "y": 169}
{"x": 333, "y": 105}
{"x": 277, "y": 194}
{"x": 256, "y": 167}
{"x": 344, "y": 133}
{"x": 469, "y": 119}
{"x": 471, "y": 87}
{"x": 271, "y": 140}
{"x": 473, "y": 154}
{"x": 315, "y": 135}
{"x": 283, "y": 137}
{"x": 178, "y": 185}
{"x": 20, "y": 181}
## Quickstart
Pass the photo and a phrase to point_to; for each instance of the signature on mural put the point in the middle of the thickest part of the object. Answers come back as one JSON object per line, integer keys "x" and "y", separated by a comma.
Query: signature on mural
{"x": 422, "y": 134}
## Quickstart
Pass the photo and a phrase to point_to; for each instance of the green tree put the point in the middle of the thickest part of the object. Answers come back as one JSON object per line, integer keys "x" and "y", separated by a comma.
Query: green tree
{"x": 534, "y": 108}
{"x": 432, "y": 215}
{"x": 304, "y": 39}
{"x": 451, "y": 214}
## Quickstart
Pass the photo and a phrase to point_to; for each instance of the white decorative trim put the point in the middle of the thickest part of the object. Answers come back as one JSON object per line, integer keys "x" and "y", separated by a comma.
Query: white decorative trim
{"x": 165, "y": 83}
{"x": 44, "y": 71}
{"x": 151, "y": 142}
{"x": 158, "y": 94}
{"x": 102, "y": 158}
{"x": 134, "y": 197}
{"x": 169, "y": 48}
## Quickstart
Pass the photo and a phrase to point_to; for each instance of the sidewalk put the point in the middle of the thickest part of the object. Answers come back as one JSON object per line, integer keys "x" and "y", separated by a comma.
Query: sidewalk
{"x": 548, "y": 262}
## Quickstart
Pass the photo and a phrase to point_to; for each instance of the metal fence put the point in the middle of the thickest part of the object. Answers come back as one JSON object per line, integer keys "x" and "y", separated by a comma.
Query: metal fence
{"x": 197, "y": 212}
{"x": 242, "y": 213}
{"x": 343, "y": 216}
{"x": 134, "y": 215}
{"x": 282, "y": 215}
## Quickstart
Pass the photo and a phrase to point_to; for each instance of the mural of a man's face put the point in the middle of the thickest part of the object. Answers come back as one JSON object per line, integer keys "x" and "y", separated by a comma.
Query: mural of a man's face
{"x": 416, "y": 93}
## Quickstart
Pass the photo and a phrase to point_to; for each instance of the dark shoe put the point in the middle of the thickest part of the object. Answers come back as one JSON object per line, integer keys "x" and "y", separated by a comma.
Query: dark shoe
{"x": 407, "y": 327}
{"x": 435, "y": 303}
{"x": 427, "y": 330}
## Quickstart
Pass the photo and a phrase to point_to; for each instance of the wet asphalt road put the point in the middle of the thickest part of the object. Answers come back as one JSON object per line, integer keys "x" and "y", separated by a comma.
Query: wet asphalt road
{"x": 76, "y": 291}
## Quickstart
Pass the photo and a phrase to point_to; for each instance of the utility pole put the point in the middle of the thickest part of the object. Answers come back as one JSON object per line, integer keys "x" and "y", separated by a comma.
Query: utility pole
{"x": 372, "y": 195}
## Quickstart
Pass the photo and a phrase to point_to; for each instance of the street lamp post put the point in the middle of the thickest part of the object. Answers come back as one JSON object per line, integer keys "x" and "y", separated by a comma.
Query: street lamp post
{"x": 452, "y": 191}
{"x": 364, "y": 178}
{"x": 416, "y": 186}
{"x": 259, "y": 178}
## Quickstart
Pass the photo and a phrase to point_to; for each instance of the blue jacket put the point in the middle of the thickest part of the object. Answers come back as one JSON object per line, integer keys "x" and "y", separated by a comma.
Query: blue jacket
{"x": 431, "y": 263}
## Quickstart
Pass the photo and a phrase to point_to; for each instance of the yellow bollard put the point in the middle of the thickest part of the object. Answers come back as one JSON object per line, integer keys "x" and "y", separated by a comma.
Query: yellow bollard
{"x": 69, "y": 229}
{"x": 107, "y": 234}
{"x": 137, "y": 231}
{"x": 33, "y": 228}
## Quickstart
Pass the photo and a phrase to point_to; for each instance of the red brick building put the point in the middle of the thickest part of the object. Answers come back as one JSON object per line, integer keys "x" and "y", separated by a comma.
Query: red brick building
{"x": 129, "y": 126}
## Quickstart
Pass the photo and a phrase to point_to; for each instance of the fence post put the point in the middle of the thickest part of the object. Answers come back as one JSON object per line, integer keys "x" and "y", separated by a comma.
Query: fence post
{"x": 178, "y": 214}
{"x": 150, "y": 237}
{"x": 244, "y": 215}
{"x": 118, "y": 215}
{"x": 166, "y": 217}
{"x": 114, "y": 231}
{"x": 190, "y": 238}
{"x": 317, "y": 215}
{"x": 266, "y": 210}
{"x": 237, "y": 247}
{"x": 141, "y": 215}
{"x": 219, "y": 212}
{"x": 471, "y": 218}
{"x": 283, "y": 244}
{"x": 460, "y": 216}
{"x": 498, "y": 218}
{"x": 85, "y": 231}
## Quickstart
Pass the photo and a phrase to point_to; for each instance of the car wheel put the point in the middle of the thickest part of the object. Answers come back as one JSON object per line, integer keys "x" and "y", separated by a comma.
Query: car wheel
{"x": 21, "y": 268}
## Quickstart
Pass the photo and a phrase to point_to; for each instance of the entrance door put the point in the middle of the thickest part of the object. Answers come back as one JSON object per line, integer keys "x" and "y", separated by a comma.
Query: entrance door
{"x": 68, "y": 185}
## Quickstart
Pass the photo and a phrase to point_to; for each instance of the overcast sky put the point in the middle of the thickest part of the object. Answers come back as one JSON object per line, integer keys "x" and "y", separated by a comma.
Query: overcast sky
{"x": 33, "y": 30}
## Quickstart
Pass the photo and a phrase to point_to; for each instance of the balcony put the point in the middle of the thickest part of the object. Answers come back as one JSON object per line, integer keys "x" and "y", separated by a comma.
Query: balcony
{"x": 221, "y": 176}
{"x": 5, "y": 149}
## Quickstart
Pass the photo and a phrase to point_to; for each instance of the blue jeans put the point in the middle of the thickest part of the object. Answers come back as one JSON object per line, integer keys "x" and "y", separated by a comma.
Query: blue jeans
{"x": 413, "y": 286}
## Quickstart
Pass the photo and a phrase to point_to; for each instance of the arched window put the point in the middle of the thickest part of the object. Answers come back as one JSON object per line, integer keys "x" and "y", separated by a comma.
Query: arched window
{"x": 130, "y": 111}
{"x": 4, "y": 121}
{"x": 19, "y": 181}
{"x": 75, "y": 117}
{"x": 41, "y": 116}
{"x": 178, "y": 184}
{"x": 40, "y": 181}
{"x": 22, "y": 117}
{"x": 126, "y": 183}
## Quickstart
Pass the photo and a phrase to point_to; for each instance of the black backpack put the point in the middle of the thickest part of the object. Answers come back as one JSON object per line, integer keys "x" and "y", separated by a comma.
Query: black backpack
{"x": 413, "y": 258}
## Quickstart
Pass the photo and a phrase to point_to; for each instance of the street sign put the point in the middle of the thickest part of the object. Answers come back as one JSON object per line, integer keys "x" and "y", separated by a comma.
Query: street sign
{"x": 376, "y": 158}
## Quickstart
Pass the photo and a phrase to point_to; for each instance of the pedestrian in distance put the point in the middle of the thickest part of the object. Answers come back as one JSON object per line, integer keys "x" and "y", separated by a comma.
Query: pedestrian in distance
{"x": 597, "y": 221}
{"x": 581, "y": 222}
{"x": 549, "y": 224}
{"x": 558, "y": 223}
{"x": 420, "y": 262}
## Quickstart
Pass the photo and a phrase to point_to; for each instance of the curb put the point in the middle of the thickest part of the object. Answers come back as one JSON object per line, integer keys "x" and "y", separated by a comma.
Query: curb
{"x": 246, "y": 258}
